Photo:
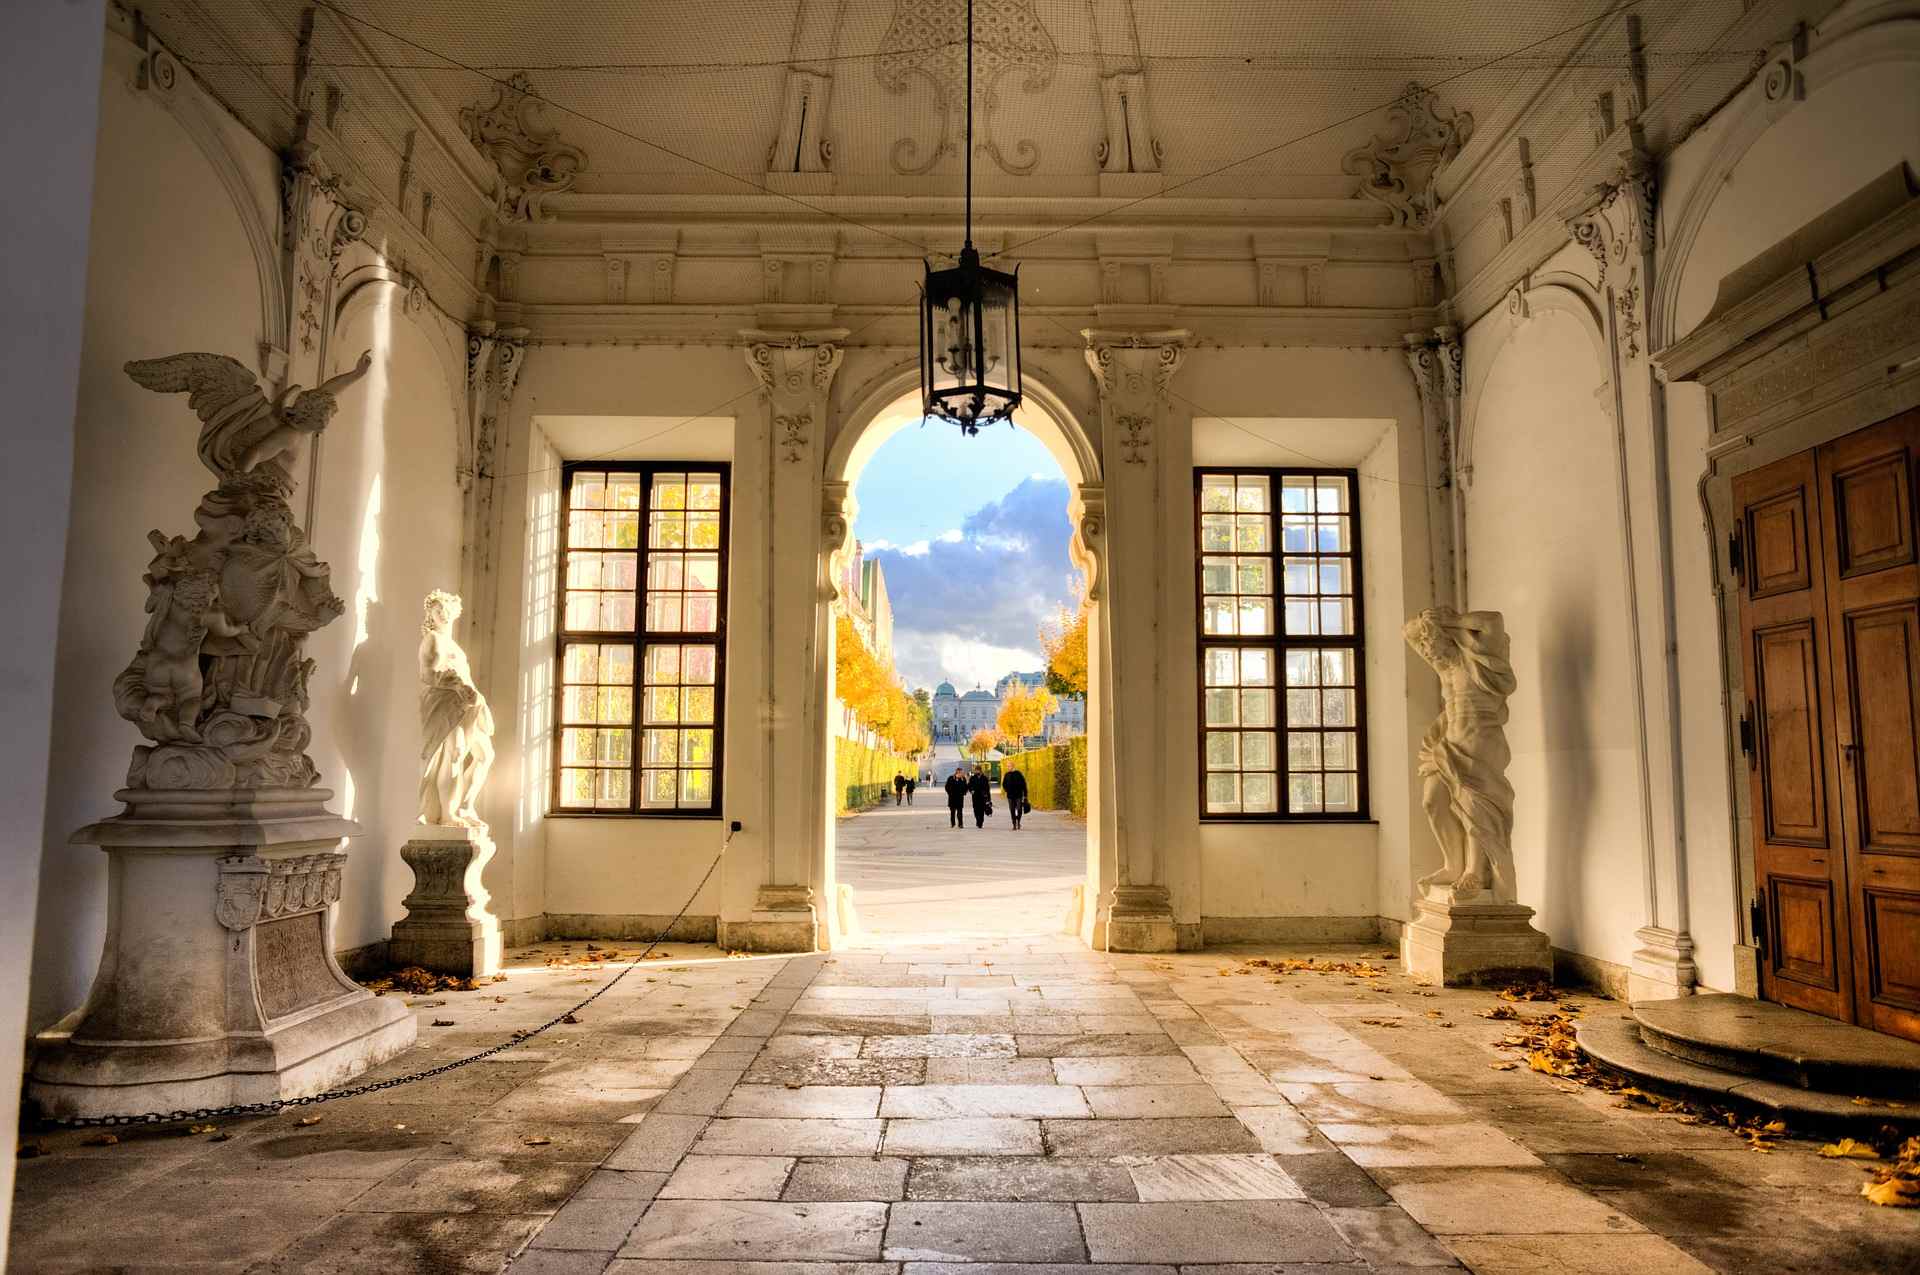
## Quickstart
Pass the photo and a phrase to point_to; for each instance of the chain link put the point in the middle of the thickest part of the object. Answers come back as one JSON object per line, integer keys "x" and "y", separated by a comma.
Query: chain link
{"x": 334, "y": 1095}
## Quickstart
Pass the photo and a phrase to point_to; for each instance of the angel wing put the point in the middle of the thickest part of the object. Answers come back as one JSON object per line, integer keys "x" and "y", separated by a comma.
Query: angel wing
{"x": 222, "y": 392}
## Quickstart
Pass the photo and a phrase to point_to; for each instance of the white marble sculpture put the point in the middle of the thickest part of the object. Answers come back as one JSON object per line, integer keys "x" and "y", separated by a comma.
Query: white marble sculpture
{"x": 1464, "y": 755}
{"x": 457, "y": 726}
{"x": 219, "y": 684}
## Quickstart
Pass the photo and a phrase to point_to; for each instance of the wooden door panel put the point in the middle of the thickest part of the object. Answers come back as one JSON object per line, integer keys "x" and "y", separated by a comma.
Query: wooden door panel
{"x": 1882, "y": 654}
{"x": 1788, "y": 735}
{"x": 1893, "y": 944}
{"x": 1872, "y": 514}
{"x": 1803, "y": 930}
{"x": 1777, "y": 544}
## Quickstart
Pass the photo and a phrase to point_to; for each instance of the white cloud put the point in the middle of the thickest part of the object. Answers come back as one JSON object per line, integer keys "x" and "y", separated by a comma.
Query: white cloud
{"x": 952, "y": 536}
{"x": 927, "y": 659}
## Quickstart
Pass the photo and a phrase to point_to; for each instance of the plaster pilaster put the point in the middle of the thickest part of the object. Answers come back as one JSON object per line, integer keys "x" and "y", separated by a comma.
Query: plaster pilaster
{"x": 495, "y": 357}
{"x": 1618, "y": 226}
{"x": 1133, "y": 372}
{"x": 795, "y": 371}
{"x": 1435, "y": 360}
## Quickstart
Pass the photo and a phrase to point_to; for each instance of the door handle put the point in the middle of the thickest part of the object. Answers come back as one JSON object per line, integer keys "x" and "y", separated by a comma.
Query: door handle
{"x": 1853, "y": 753}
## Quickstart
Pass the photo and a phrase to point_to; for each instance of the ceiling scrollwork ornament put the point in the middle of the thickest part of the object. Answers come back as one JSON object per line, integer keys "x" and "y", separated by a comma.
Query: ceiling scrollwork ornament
{"x": 1398, "y": 168}
{"x": 527, "y": 153}
{"x": 926, "y": 46}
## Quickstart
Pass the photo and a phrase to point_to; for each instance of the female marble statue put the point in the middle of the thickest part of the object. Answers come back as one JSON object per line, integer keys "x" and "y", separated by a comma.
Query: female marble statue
{"x": 456, "y": 724}
{"x": 1464, "y": 755}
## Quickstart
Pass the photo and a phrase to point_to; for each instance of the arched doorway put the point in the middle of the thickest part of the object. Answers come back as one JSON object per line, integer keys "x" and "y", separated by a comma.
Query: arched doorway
{"x": 887, "y": 406}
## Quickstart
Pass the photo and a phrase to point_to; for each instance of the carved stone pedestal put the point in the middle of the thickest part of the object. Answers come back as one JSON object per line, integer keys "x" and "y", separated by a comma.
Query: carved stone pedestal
{"x": 447, "y": 927}
{"x": 1141, "y": 920}
{"x": 1475, "y": 944}
{"x": 217, "y": 984}
{"x": 783, "y": 919}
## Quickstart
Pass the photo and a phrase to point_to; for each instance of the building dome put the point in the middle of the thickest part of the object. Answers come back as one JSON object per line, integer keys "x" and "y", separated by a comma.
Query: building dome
{"x": 945, "y": 688}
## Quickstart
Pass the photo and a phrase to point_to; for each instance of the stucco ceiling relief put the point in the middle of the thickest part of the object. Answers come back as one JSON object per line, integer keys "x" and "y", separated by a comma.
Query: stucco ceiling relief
{"x": 1398, "y": 168}
{"x": 531, "y": 160}
{"x": 925, "y": 50}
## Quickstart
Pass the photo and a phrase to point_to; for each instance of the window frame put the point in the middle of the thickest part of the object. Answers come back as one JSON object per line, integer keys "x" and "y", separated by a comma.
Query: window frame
{"x": 641, "y": 636}
{"x": 1280, "y": 643}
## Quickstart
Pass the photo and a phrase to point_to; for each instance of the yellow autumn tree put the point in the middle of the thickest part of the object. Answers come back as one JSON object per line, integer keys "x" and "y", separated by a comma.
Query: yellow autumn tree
{"x": 1064, "y": 638}
{"x": 1023, "y": 714}
{"x": 980, "y": 743}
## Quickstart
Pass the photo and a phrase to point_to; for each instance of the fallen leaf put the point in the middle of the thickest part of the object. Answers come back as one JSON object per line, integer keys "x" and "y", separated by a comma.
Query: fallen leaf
{"x": 1381, "y": 1022}
{"x": 1504, "y": 1066}
{"x": 568, "y": 1018}
{"x": 202, "y": 1128}
{"x": 441, "y": 1022}
{"x": 1895, "y": 1193}
{"x": 221, "y": 1137}
{"x": 101, "y": 1140}
{"x": 30, "y": 1150}
{"x": 537, "y": 1140}
{"x": 307, "y": 1120}
{"x": 1848, "y": 1149}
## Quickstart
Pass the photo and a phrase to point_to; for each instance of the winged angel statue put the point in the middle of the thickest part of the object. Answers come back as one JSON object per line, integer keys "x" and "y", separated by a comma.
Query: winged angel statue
{"x": 220, "y": 681}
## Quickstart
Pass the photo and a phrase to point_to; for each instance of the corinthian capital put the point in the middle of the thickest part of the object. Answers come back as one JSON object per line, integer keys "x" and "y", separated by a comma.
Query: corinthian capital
{"x": 1135, "y": 369}
{"x": 795, "y": 369}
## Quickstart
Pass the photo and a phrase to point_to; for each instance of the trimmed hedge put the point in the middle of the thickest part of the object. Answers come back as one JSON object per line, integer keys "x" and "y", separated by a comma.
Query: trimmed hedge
{"x": 864, "y": 776}
{"x": 1056, "y": 775}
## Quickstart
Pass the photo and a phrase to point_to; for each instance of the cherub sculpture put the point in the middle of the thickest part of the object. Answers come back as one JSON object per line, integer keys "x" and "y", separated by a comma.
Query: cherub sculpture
{"x": 455, "y": 722}
{"x": 1464, "y": 755}
{"x": 186, "y": 608}
{"x": 240, "y": 429}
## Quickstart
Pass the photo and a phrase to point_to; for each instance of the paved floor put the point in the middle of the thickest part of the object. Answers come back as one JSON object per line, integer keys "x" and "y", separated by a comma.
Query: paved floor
{"x": 913, "y": 874}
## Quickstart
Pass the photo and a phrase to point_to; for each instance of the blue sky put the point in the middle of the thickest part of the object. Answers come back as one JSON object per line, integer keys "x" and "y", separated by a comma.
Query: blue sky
{"x": 973, "y": 536}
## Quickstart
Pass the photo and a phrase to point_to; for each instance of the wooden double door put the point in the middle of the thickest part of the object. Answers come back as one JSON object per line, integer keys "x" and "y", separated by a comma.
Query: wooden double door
{"x": 1830, "y": 643}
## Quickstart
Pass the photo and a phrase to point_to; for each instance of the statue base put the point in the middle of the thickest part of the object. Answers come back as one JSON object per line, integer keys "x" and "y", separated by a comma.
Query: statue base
{"x": 448, "y": 928}
{"x": 1140, "y": 919}
{"x": 1475, "y": 945}
{"x": 784, "y": 919}
{"x": 217, "y": 984}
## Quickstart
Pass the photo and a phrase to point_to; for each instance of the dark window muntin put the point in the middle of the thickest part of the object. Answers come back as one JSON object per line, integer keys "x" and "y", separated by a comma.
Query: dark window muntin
{"x": 640, "y": 635}
{"x": 1279, "y": 641}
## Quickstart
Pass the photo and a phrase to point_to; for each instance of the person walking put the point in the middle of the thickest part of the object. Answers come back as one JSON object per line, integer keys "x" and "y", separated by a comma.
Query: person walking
{"x": 956, "y": 798}
{"x": 913, "y": 781}
{"x": 982, "y": 789}
{"x": 1013, "y": 786}
{"x": 899, "y": 787}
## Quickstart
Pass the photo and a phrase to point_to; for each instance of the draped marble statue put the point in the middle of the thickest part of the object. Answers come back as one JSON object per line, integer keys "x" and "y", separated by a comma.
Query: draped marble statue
{"x": 456, "y": 724}
{"x": 219, "y": 684}
{"x": 1464, "y": 755}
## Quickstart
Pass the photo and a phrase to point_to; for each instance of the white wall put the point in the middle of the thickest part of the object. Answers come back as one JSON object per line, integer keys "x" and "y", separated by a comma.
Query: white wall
{"x": 48, "y": 107}
{"x": 1851, "y": 128}
{"x": 1545, "y": 546}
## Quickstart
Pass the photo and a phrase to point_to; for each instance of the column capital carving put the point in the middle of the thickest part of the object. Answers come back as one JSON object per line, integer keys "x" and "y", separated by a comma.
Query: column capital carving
{"x": 1135, "y": 369}
{"x": 1618, "y": 221}
{"x": 795, "y": 369}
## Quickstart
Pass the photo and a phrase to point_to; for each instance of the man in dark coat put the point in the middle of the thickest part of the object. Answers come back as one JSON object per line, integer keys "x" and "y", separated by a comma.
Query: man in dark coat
{"x": 1013, "y": 786}
{"x": 899, "y": 787}
{"x": 982, "y": 789}
{"x": 956, "y": 798}
{"x": 913, "y": 781}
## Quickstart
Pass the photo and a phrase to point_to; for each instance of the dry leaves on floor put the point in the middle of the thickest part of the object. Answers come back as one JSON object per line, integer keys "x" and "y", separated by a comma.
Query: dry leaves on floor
{"x": 1848, "y": 1149}
{"x": 1311, "y": 965}
{"x": 1897, "y": 1185}
{"x": 418, "y": 982}
{"x": 101, "y": 1140}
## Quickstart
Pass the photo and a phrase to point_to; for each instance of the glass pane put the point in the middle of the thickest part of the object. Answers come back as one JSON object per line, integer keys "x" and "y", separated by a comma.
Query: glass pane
{"x": 616, "y": 613}
{"x": 698, "y": 703}
{"x": 616, "y": 748}
{"x": 1256, "y": 575}
{"x": 1336, "y": 668}
{"x": 1256, "y": 708}
{"x": 1216, "y": 575}
{"x": 1298, "y": 575}
{"x": 1303, "y": 751}
{"x": 1257, "y": 750}
{"x": 576, "y": 787}
{"x": 1252, "y": 496}
{"x": 1336, "y": 615}
{"x": 1216, "y": 533}
{"x": 1296, "y": 534}
{"x": 616, "y": 704}
{"x": 582, "y": 663}
{"x": 1256, "y": 617}
{"x": 663, "y": 612}
{"x": 623, "y": 531}
{"x": 1338, "y": 708}
{"x": 696, "y": 747}
{"x": 1343, "y": 793}
{"x": 584, "y": 529}
{"x": 577, "y": 746}
{"x": 1222, "y": 668}
{"x": 662, "y": 748}
{"x": 663, "y": 704}
{"x": 703, "y": 491}
{"x": 616, "y": 665}
{"x": 589, "y": 491}
{"x": 1296, "y": 495}
{"x": 1339, "y": 749}
{"x": 1300, "y": 668}
{"x": 657, "y": 789}
{"x": 1331, "y": 496}
{"x": 700, "y": 662}
{"x": 1223, "y": 750}
{"x": 669, "y": 531}
{"x": 703, "y": 571}
{"x": 1223, "y": 793}
{"x": 1303, "y": 794}
{"x": 1256, "y": 667}
{"x": 703, "y": 613}
{"x": 1333, "y": 535}
{"x": 583, "y": 611}
{"x": 623, "y": 491}
{"x": 583, "y": 570}
{"x": 703, "y": 531}
{"x": 1334, "y": 576}
{"x": 1222, "y": 708}
{"x": 670, "y": 491}
{"x": 1217, "y": 616}
{"x": 1253, "y": 533}
{"x": 1260, "y": 794}
{"x": 696, "y": 788}
{"x": 666, "y": 571}
{"x": 1216, "y": 494}
{"x": 577, "y": 704}
{"x": 1303, "y": 708}
{"x": 1300, "y": 616}
{"x": 613, "y": 789}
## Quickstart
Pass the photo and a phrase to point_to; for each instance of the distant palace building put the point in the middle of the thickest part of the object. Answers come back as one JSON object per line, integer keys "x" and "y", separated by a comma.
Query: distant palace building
{"x": 957, "y": 716}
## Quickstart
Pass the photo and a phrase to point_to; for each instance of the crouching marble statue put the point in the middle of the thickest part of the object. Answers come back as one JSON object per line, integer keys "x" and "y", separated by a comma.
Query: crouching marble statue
{"x": 218, "y": 982}
{"x": 1469, "y": 926}
{"x": 448, "y": 927}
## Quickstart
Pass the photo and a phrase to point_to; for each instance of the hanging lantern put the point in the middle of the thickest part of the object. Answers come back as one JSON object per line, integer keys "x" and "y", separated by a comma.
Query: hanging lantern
{"x": 970, "y": 324}
{"x": 970, "y": 343}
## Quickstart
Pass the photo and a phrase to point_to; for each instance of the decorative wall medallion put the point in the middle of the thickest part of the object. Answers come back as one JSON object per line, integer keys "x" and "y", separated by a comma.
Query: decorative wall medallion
{"x": 1398, "y": 168}
{"x": 926, "y": 46}
{"x": 241, "y": 891}
{"x": 793, "y": 434}
{"x": 1135, "y": 436}
{"x": 530, "y": 157}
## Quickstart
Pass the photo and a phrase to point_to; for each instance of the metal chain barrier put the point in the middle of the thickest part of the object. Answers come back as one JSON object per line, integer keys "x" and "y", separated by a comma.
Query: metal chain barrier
{"x": 334, "y": 1095}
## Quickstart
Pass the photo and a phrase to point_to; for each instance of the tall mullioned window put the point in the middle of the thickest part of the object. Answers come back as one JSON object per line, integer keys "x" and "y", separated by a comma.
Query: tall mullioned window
{"x": 1282, "y": 732}
{"x": 643, "y": 640}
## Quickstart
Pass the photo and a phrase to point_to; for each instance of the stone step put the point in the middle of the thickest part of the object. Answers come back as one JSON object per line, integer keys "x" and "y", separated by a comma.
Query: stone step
{"x": 1615, "y": 1043}
{"x": 1773, "y": 1042}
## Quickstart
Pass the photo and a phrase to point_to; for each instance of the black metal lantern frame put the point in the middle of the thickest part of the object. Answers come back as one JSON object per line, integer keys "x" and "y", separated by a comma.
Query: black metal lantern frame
{"x": 970, "y": 324}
